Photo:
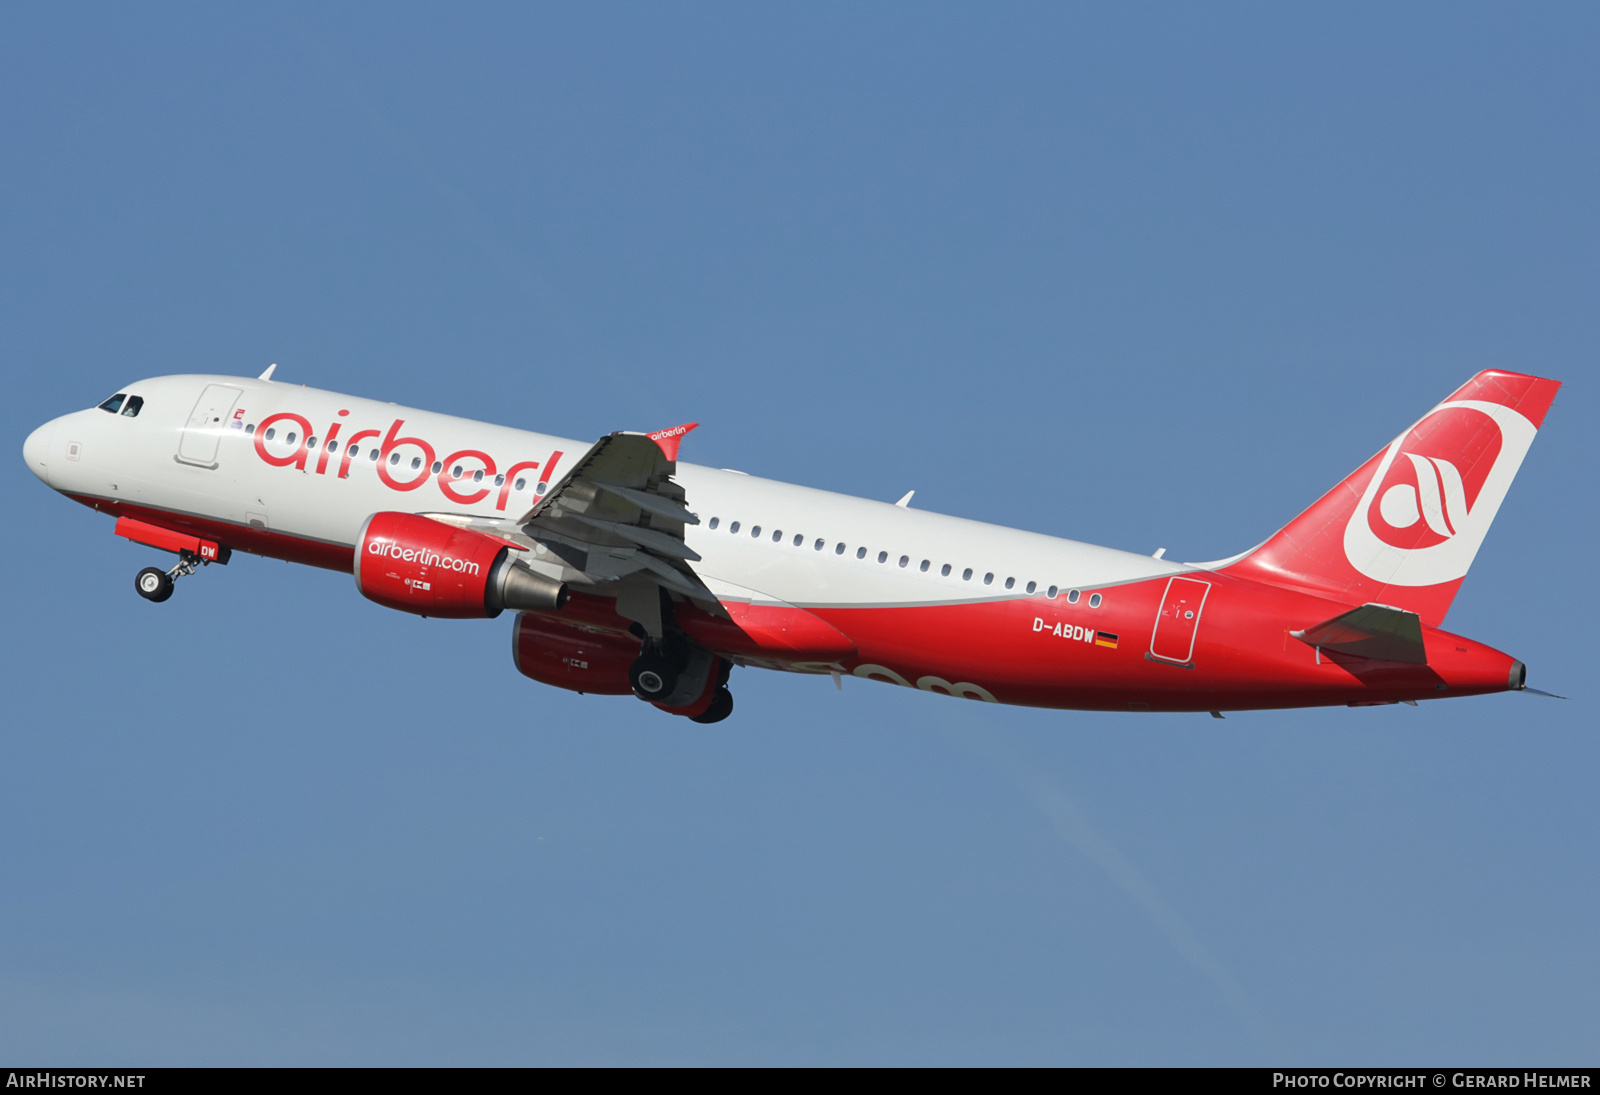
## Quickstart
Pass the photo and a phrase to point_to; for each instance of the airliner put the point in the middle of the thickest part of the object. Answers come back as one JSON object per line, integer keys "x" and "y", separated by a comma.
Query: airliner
{"x": 631, "y": 573}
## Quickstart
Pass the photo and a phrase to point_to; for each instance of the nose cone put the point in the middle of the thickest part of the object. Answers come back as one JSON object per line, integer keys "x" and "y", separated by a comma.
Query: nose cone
{"x": 36, "y": 451}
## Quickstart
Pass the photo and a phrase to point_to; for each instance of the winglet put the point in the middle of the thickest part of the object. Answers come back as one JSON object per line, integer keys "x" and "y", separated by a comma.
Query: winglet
{"x": 670, "y": 439}
{"x": 268, "y": 374}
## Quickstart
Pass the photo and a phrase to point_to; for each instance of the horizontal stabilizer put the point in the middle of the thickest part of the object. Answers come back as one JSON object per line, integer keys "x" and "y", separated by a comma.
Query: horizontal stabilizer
{"x": 1371, "y": 631}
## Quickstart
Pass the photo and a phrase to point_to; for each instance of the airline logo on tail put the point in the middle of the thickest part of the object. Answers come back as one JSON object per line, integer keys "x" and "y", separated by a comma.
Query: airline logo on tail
{"x": 1437, "y": 489}
{"x": 1439, "y": 497}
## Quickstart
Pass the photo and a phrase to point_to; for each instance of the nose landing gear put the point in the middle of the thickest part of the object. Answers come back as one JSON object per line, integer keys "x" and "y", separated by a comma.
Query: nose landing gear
{"x": 155, "y": 584}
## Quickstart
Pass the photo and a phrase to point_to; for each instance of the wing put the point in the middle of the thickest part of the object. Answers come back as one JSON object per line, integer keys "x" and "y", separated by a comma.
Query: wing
{"x": 618, "y": 512}
{"x": 613, "y": 524}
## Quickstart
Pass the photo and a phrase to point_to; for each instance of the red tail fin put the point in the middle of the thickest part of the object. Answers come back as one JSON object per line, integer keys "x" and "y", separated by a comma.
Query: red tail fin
{"x": 1404, "y": 527}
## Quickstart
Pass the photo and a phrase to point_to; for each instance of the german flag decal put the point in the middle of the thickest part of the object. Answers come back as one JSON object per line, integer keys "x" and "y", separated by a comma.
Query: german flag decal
{"x": 1105, "y": 638}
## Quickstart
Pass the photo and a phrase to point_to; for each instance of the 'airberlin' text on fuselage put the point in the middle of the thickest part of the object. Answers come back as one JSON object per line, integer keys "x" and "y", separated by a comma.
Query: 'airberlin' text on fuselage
{"x": 458, "y": 475}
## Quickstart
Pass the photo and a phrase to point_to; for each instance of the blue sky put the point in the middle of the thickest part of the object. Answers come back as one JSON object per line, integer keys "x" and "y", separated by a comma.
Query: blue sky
{"x": 1148, "y": 276}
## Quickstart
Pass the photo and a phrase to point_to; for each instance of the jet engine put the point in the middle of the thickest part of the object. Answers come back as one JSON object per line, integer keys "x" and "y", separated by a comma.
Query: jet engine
{"x": 581, "y": 659}
{"x": 417, "y": 564}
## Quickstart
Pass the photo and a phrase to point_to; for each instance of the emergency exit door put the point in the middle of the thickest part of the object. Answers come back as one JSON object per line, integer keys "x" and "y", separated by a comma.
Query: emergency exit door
{"x": 1179, "y": 620}
{"x": 203, "y": 432}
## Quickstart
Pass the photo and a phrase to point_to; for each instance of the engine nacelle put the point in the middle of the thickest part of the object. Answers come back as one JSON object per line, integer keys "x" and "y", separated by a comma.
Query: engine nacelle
{"x": 431, "y": 568}
{"x": 575, "y": 658}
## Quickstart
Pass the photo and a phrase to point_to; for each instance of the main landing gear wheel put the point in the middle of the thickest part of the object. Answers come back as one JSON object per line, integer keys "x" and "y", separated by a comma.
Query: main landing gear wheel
{"x": 653, "y": 677}
{"x": 721, "y": 707}
{"x": 153, "y": 584}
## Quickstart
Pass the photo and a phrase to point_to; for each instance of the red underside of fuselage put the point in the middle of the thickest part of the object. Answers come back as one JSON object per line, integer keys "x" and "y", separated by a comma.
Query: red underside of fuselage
{"x": 1033, "y": 651}
{"x": 254, "y": 541}
{"x": 1243, "y": 655}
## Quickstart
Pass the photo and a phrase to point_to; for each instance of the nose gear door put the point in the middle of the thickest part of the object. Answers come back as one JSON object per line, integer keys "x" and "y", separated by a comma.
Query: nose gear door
{"x": 197, "y": 444}
{"x": 1179, "y": 619}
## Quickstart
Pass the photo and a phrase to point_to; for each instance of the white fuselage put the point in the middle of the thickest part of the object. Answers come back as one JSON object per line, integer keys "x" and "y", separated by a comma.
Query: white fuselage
{"x": 858, "y": 563}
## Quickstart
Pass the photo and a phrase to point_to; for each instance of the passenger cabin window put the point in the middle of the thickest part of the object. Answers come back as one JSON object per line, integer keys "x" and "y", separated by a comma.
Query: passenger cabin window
{"x": 114, "y": 404}
{"x": 715, "y": 521}
{"x": 1032, "y": 586}
{"x": 1094, "y": 600}
{"x": 132, "y": 407}
{"x": 819, "y": 545}
{"x": 733, "y": 529}
{"x": 755, "y": 532}
{"x": 1072, "y": 596}
{"x": 861, "y": 553}
{"x": 945, "y": 570}
{"x": 924, "y": 566}
{"x": 777, "y": 535}
{"x": 798, "y": 539}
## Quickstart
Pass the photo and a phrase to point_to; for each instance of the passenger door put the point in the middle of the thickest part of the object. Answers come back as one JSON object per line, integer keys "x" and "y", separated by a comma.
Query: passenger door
{"x": 1179, "y": 619}
{"x": 201, "y": 435}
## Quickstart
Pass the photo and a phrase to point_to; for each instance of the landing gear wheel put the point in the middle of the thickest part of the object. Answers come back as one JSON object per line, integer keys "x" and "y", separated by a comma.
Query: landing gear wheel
{"x": 653, "y": 677}
{"x": 721, "y": 707}
{"x": 153, "y": 584}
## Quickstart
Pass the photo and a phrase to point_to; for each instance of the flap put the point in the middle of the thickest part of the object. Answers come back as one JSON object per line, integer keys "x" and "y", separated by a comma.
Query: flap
{"x": 1371, "y": 631}
{"x": 617, "y": 512}
{"x": 628, "y": 461}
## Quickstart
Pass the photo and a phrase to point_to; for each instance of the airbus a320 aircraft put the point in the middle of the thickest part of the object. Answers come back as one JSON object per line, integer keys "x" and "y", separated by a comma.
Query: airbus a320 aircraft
{"x": 632, "y": 573}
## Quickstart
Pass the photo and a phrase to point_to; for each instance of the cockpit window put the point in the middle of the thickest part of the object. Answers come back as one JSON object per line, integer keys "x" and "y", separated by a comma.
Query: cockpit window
{"x": 114, "y": 404}
{"x": 132, "y": 407}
